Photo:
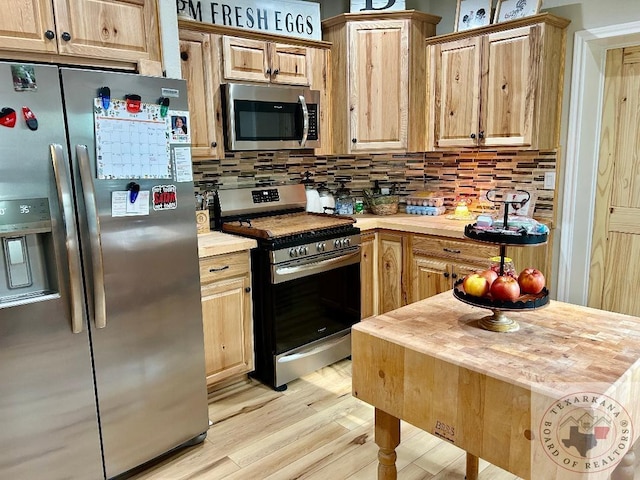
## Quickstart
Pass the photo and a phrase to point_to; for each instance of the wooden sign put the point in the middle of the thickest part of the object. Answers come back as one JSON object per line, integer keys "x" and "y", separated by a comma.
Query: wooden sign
{"x": 294, "y": 18}
{"x": 376, "y": 5}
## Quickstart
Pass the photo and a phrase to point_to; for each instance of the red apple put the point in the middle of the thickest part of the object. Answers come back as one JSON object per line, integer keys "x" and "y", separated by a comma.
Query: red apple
{"x": 476, "y": 285}
{"x": 531, "y": 280}
{"x": 505, "y": 288}
{"x": 490, "y": 275}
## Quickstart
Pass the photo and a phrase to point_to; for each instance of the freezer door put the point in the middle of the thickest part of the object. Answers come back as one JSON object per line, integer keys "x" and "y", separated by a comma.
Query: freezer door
{"x": 48, "y": 419}
{"x": 144, "y": 289}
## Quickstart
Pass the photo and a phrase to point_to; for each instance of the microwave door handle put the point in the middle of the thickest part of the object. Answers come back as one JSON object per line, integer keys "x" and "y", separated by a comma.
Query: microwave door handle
{"x": 305, "y": 120}
{"x": 63, "y": 185}
{"x": 88, "y": 190}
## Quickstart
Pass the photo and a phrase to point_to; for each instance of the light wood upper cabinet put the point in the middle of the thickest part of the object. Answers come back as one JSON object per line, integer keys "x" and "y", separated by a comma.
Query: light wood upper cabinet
{"x": 113, "y": 30}
{"x": 261, "y": 61}
{"x": 498, "y": 86}
{"x": 227, "y": 316}
{"x": 457, "y": 90}
{"x": 199, "y": 64}
{"x": 378, "y": 80}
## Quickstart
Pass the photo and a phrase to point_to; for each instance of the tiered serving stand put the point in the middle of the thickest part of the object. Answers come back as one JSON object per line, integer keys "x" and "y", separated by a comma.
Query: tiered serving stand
{"x": 498, "y": 321}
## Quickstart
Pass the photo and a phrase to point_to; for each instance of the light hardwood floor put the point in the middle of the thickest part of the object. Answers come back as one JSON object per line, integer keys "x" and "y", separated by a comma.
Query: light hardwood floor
{"x": 313, "y": 430}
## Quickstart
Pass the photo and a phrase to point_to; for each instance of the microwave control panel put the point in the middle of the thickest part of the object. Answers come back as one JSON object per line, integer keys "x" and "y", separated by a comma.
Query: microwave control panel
{"x": 313, "y": 121}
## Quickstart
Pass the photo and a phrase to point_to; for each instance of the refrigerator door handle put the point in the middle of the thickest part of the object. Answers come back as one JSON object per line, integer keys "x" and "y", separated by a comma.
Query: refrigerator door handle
{"x": 89, "y": 193}
{"x": 63, "y": 185}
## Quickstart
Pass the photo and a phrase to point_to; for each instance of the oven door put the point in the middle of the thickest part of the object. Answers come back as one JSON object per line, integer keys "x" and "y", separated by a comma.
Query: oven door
{"x": 315, "y": 300}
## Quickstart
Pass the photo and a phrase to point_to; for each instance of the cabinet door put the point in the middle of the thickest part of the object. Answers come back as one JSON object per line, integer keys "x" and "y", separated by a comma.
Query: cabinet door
{"x": 204, "y": 96}
{"x": 368, "y": 275}
{"x": 245, "y": 59}
{"x": 429, "y": 277}
{"x": 390, "y": 272}
{"x": 111, "y": 29}
{"x": 226, "y": 319}
{"x": 456, "y": 90}
{"x": 378, "y": 82}
{"x": 23, "y": 26}
{"x": 510, "y": 61}
{"x": 289, "y": 64}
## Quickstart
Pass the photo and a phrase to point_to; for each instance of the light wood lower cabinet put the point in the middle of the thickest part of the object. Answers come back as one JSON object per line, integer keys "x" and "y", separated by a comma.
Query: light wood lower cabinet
{"x": 391, "y": 271}
{"x": 368, "y": 275}
{"x": 438, "y": 262}
{"x": 227, "y": 315}
{"x": 399, "y": 268}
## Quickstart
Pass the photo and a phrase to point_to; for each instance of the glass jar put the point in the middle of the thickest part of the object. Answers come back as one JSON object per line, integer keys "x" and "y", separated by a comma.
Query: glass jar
{"x": 344, "y": 202}
{"x": 509, "y": 268}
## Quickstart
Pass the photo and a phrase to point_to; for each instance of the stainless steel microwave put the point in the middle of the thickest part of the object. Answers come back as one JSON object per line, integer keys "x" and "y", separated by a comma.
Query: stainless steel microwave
{"x": 269, "y": 117}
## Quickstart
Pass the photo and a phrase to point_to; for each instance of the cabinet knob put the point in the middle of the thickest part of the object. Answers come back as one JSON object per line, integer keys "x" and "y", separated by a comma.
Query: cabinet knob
{"x": 268, "y": 72}
{"x": 66, "y": 36}
{"x": 481, "y": 134}
{"x": 473, "y": 135}
{"x": 49, "y": 34}
{"x": 276, "y": 71}
{"x": 454, "y": 275}
{"x": 214, "y": 144}
{"x": 184, "y": 56}
{"x": 351, "y": 108}
{"x": 354, "y": 140}
{"x": 247, "y": 289}
{"x": 446, "y": 274}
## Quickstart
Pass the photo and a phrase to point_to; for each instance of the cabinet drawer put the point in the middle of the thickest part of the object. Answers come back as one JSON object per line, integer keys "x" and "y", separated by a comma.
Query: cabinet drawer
{"x": 457, "y": 250}
{"x": 224, "y": 266}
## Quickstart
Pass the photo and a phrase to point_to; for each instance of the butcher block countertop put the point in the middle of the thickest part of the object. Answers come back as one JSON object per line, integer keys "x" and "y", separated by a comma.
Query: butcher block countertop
{"x": 217, "y": 243}
{"x": 492, "y": 394}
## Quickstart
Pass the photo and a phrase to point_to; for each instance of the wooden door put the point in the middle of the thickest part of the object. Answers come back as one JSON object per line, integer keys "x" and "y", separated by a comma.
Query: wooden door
{"x": 289, "y": 64}
{"x": 616, "y": 234}
{"x": 226, "y": 319}
{"x": 368, "y": 276}
{"x": 378, "y": 58}
{"x": 24, "y": 26}
{"x": 203, "y": 84}
{"x": 390, "y": 272}
{"x": 246, "y": 59}
{"x": 510, "y": 70}
{"x": 455, "y": 84}
{"x": 110, "y": 29}
{"x": 429, "y": 276}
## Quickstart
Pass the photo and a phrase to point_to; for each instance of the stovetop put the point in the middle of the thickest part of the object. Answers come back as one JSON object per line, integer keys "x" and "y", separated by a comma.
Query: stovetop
{"x": 278, "y": 226}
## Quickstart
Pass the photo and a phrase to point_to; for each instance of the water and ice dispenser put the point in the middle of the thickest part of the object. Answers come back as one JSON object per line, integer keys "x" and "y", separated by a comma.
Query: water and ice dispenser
{"x": 27, "y": 266}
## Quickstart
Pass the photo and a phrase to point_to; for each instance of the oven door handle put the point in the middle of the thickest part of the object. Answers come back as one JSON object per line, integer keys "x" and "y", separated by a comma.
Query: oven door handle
{"x": 284, "y": 274}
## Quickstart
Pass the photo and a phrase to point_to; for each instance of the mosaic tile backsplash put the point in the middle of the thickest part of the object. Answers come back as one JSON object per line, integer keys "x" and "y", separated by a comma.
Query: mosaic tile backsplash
{"x": 453, "y": 174}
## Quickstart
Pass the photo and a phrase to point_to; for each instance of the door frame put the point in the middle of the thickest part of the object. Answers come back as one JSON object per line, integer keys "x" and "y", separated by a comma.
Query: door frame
{"x": 582, "y": 155}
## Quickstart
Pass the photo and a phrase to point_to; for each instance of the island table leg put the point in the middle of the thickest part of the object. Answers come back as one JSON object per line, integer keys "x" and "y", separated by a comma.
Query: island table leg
{"x": 473, "y": 465}
{"x": 387, "y": 437}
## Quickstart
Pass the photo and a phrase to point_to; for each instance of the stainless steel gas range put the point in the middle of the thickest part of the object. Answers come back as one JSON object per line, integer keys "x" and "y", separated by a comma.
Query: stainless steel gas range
{"x": 305, "y": 276}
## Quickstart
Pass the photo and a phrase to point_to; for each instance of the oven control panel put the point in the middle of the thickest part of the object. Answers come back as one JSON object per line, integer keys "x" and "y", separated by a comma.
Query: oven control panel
{"x": 315, "y": 248}
{"x": 267, "y": 195}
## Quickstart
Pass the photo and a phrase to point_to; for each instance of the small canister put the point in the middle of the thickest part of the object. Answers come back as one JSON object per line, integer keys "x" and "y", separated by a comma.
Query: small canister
{"x": 344, "y": 202}
{"x": 359, "y": 206}
{"x": 509, "y": 268}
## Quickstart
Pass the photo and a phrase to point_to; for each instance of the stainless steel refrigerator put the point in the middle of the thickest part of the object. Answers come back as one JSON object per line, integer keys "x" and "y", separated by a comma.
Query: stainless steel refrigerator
{"x": 101, "y": 342}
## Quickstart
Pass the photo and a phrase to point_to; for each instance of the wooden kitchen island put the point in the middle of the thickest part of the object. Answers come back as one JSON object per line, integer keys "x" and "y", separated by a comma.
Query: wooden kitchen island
{"x": 558, "y": 399}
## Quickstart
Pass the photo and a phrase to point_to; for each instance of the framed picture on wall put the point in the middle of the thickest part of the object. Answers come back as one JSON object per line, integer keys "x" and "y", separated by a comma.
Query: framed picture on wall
{"x": 472, "y": 14}
{"x": 511, "y": 9}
